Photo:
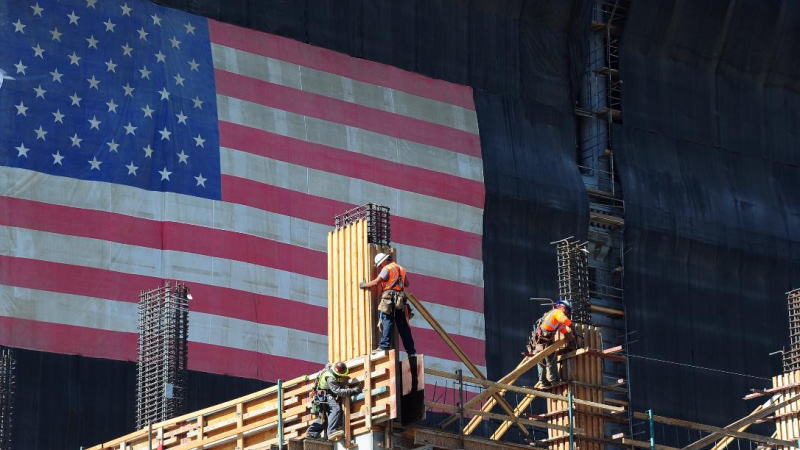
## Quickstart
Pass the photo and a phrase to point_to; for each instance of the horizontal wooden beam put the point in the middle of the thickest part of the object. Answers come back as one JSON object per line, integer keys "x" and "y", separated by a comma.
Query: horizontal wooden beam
{"x": 614, "y": 312}
{"x": 500, "y": 417}
{"x": 449, "y": 441}
{"x": 522, "y": 390}
{"x": 626, "y": 441}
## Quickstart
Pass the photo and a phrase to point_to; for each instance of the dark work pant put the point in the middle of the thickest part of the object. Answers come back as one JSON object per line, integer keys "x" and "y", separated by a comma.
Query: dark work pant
{"x": 388, "y": 321}
{"x": 334, "y": 418}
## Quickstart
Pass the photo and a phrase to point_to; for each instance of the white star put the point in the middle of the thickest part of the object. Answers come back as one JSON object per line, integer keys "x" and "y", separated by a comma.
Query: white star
{"x": 182, "y": 157}
{"x": 90, "y": 3}
{"x": 128, "y": 90}
{"x": 57, "y": 158}
{"x": 197, "y": 103}
{"x": 74, "y": 59}
{"x": 147, "y": 111}
{"x": 142, "y": 34}
{"x": 145, "y": 73}
{"x": 21, "y": 67}
{"x": 37, "y": 10}
{"x": 130, "y": 129}
{"x": 132, "y": 168}
{"x": 148, "y": 151}
{"x": 189, "y": 28}
{"x": 94, "y": 123}
{"x": 179, "y": 79}
{"x": 22, "y": 150}
{"x": 175, "y": 42}
{"x": 93, "y": 83}
{"x": 201, "y": 180}
{"x": 76, "y": 141}
{"x": 126, "y": 10}
{"x": 19, "y": 27}
{"x": 165, "y": 174}
{"x": 198, "y": 141}
{"x": 21, "y": 109}
{"x": 193, "y": 65}
{"x": 165, "y": 134}
{"x": 39, "y": 91}
{"x": 112, "y": 107}
{"x": 113, "y": 146}
{"x": 160, "y": 57}
{"x": 73, "y": 19}
{"x": 181, "y": 117}
{"x": 57, "y": 116}
{"x": 111, "y": 66}
{"x": 56, "y": 75}
{"x": 109, "y": 25}
{"x": 92, "y": 42}
{"x": 164, "y": 94}
{"x": 156, "y": 20}
{"x": 40, "y": 133}
{"x": 126, "y": 50}
{"x": 95, "y": 164}
{"x": 56, "y": 35}
{"x": 76, "y": 101}
{"x": 38, "y": 51}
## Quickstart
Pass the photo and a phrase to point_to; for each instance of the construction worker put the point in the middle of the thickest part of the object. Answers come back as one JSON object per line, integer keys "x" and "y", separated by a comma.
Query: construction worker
{"x": 547, "y": 328}
{"x": 331, "y": 387}
{"x": 393, "y": 308}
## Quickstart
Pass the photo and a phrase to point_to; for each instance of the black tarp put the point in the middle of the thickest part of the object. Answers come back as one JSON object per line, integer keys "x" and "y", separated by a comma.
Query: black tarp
{"x": 709, "y": 166}
{"x": 69, "y": 402}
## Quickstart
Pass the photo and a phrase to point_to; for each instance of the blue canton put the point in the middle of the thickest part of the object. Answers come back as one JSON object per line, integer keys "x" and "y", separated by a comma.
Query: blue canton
{"x": 120, "y": 91}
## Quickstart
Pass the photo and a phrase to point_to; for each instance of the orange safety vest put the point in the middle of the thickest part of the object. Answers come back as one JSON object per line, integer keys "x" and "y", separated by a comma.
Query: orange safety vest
{"x": 555, "y": 320}
{"x": 397, "y": 278}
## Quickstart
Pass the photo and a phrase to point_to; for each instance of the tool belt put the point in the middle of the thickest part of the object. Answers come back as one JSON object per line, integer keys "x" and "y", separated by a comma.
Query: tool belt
{"x": 392, "y": 300}
{"x": 319, "y": 402}
{"x": 539, "y": 339}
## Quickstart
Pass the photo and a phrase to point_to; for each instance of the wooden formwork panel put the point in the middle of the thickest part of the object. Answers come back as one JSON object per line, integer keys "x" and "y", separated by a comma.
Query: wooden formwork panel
{"x": 787, "y": 424}
{"x": 587, "y": 369}
{"x": 352, "y": 312}
{"x": 251, "y": 422}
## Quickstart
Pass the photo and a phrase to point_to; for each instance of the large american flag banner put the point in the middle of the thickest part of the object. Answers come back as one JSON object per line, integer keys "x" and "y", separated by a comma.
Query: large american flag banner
{"x": 142, "y": 144}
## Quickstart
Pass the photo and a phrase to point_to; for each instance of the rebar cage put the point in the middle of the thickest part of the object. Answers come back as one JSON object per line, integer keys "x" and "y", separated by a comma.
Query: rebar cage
{"x": 791, "y": 357}
{"x": 163, "y": 353}
{"x": 572, "y": 259}
{"x": 378, "y": 223}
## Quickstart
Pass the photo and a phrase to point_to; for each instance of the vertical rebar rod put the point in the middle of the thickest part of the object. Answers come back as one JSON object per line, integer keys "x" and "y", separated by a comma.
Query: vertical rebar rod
{"x": 571, "y": 421}
{"x": 280, "y": 414}
{"x": 460, "y": 375}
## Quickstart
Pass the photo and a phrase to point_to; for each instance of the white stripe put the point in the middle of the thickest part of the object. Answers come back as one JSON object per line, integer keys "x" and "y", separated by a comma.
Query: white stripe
{"x": 171, "y": 207}
{"x": 348, "y": 138}
{"x": 342, "y": 88}
{"x": 350, "y": 190}
{"x": 191, "y": 267}
{"x": 112, "y": 315}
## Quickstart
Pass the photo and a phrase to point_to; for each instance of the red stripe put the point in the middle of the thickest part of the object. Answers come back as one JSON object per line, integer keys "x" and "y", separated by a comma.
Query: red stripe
{"x": 405, "y": 231}
{"x": 79, "y": 280}
{"x": 210, "y": 242}
{"x": 351, "y": 164}
{"x": 340, "y": 111}
{"x": 295, "y": 52}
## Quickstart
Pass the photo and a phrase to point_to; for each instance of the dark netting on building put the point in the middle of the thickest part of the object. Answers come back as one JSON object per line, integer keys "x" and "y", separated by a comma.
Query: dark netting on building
{"x": 709, "y": 167}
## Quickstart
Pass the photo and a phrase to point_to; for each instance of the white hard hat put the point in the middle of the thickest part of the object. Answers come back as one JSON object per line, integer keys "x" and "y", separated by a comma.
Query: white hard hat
{"x": 380, "y": 258}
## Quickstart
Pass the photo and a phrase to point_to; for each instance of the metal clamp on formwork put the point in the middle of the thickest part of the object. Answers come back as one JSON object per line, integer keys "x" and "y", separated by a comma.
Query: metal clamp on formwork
{"x": 378, "y": 223}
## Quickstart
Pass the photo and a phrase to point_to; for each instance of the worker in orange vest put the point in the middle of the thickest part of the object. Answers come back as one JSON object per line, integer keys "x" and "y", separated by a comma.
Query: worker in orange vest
{"x": 393, "y": 306}
{"x": 552, "y": 322}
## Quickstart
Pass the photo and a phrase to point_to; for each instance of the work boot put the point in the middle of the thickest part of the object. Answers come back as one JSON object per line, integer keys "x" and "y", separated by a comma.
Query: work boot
{"x": 336, "y": 435}
{"x": 545, "y": 384}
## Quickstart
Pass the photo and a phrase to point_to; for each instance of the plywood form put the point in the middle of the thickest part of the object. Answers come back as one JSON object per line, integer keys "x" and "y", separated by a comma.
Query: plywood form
{"x": 352, "y": 312}
{"x": 251, "y": 422}
{"x": 587, "y": 369}
{"x": 787, "y": 424}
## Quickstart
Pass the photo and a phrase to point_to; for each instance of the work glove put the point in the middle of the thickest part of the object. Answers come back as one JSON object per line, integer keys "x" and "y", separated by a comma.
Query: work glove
{"x": 362, "y": 285}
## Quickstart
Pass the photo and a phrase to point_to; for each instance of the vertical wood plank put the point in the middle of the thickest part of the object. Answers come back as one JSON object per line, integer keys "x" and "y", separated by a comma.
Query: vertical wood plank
{"x": 331, "y": 296}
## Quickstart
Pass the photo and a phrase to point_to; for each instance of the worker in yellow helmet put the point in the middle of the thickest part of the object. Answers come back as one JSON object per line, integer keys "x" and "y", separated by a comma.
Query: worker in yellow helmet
{"x": 331, "y": 387}
{"x": 393, "y": 307}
